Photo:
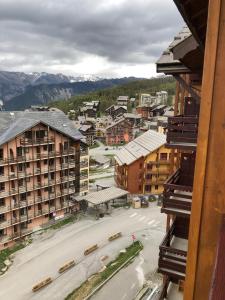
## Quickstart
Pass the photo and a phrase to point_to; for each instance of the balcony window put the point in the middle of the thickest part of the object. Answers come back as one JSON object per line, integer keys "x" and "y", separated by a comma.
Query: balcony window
{"x": 2, "y": 218}
{"x": 19, "y": 151}
{"x": 163, "y": 156}
{"x": 2, "y": 186}
{"x": 1, "y": 171}
{"x": 23, "y": 196}
{"x": 41, "y": 134}
{"x": 147, "y": 188}
{"x": 1, "y": 153}
{"x": 28, "y": 134}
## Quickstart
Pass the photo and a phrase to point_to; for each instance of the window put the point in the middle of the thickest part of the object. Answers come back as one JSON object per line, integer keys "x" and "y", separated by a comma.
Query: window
{"x": 1, "y": 153}
{"x": 41, "y": 134}
{"x": 50, "y": 147}
{"x": 20, "y": 167}
{"x": 45, "y": 147}
{"x": 1, "y": 170}
{"x": 23, "y": 196}
{"x": 2, "y": 217}
{"x": 2, "y": 186}
{"x": 66, "y": 145}
{"x": 19, "y": 151}
{"x": 27, "y": 165}
{"x": 45, "y": 161}
{"x": 147, "y": 188}
{"x": 28, "y": 134}
{"x": 2, "y": 202}
{"x": 149, "y": 166}
{"x": 140, "y": 166}
{"x": 45, "y": 175}
{"x": 20, "y": 182}
{"x": 156, "y": 187}
{"x": 163, "y": 156}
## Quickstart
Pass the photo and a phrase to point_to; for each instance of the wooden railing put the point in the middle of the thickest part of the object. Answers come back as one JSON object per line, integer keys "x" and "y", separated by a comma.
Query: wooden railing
{"x": 182, "y": 129}
{"x": 37, "y": 141}
{"x": 172, "y": 261}
{"x": 177, "y": 197}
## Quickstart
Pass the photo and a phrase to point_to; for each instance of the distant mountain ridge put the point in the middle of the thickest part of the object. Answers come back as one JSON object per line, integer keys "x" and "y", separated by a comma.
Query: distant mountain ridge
{"x": 13, "y": 84}
{"x": 20, "y": 90}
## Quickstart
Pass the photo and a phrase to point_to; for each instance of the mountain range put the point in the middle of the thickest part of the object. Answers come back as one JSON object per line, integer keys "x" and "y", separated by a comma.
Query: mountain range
{"x": 20, "y": 90}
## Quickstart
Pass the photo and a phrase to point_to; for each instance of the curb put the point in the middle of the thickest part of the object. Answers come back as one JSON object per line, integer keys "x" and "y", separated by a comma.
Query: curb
{"x": 112, "y": 275}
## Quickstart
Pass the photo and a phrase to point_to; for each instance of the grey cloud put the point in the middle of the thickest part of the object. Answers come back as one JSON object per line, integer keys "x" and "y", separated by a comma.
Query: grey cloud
{"x": 50, "y": 32}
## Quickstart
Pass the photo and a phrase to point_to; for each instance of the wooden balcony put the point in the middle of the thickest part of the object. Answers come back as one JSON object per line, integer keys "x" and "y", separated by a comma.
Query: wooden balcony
{"x": 37, "y": 141}
{"x": 177, "y": 197}
{"x": 182, "y": 132}
{"x": 173, "y": 255}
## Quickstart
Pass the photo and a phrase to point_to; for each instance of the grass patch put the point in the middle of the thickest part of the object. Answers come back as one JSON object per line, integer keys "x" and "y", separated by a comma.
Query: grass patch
{"x": 62, "y": 223}
{"x": 4, "y": 254}
{"x": 87, "y": 287}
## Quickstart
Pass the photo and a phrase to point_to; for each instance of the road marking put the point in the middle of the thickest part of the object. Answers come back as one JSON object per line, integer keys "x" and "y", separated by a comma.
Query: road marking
{"x": 142, "y": 218}
{"x": 156, "y": 224}
{"x": 133, "y": 215}
{"x": 133, "y": 286}
{"x": 151, "y": 222}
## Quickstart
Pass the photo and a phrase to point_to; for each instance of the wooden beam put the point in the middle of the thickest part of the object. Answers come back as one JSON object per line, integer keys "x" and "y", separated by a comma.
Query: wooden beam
{"x": 187, "y": 87}
{"x": 209, "y": 170}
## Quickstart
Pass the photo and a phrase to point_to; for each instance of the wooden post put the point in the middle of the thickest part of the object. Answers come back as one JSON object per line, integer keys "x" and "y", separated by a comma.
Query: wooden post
{"x": 209, "y": 180}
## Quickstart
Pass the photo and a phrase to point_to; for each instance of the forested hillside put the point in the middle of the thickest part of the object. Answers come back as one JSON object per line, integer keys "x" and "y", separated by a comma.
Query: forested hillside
{"x": 108, "y": 96}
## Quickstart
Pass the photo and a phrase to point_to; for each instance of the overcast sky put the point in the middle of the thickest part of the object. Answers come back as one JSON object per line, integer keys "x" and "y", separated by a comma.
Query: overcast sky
{"x": 108, "y": 38}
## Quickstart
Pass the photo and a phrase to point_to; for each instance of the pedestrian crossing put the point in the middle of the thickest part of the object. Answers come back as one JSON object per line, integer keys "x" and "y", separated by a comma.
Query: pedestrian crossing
{"x": 137, "y": 217}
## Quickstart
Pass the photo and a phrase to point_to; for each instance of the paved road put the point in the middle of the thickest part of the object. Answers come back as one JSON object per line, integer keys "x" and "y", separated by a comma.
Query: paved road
{"x": 51, "y": 250}
{"x": 101, "y": 150}
{"x": 128, "y": 282}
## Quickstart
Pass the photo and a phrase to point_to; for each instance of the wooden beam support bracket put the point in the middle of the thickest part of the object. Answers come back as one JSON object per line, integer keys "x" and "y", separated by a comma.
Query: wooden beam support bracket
{"x": 187, "y": 87}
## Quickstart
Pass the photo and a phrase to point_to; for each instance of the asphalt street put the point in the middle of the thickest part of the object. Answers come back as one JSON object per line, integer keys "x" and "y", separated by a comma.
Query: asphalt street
{"x": 54, "y": 248}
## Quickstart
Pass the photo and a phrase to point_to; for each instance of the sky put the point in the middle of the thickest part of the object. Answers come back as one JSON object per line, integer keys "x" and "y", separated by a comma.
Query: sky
{"x": 105, "y": 38}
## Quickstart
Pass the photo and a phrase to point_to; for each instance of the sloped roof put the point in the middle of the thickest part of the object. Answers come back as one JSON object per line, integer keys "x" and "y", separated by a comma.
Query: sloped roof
{"x": 166, "y": 63}
{"x": 103, "y": 196}
{"x": 15, "y": 123}
{"x": 132, "y": 116}
{"x": 117, "y": 122}
{"x": 140, "y": 147}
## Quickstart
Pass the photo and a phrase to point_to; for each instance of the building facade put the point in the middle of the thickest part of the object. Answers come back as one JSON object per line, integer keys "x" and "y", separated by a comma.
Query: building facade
{"x": 119, "y": 132}
{"x": 143, "y": 165}
{"x": 116, "y": 111}
{"x": 43, "y": 164}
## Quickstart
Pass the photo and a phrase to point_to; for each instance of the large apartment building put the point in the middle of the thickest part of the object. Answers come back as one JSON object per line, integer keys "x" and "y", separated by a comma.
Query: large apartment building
{"x": 43, "y": 164}
{"x": 143, "y": 165}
